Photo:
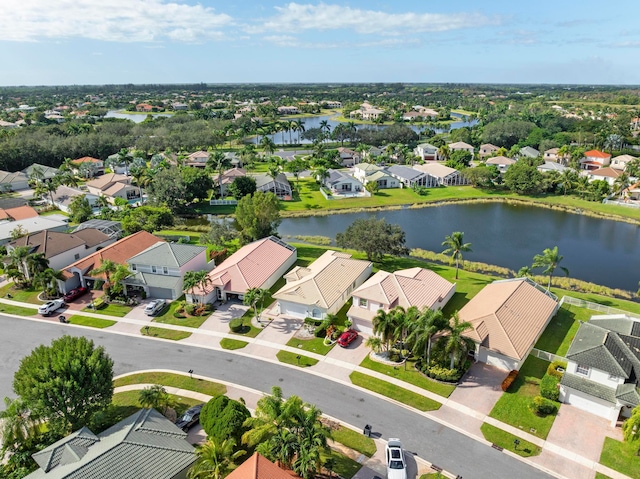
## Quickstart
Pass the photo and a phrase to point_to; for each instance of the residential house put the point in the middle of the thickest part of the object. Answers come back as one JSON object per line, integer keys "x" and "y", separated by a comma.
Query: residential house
{"x": 528, "y": 152}
{"x": 444, "y": 176}
{"x": 507, "y": 319}
{"x": 197, "y": 159}
{"x": 367, "y": 112}
{"x": 256, "y": 265}
{"x": 411, "y": 115}
{"x": 179, "y": 106}
{"x": 226, "y": 179}
{"x": 97, "y": 166}
{"x": 348, "y": 157}
{"x": 594, "y": 159}
{"x": 461, "y": 146}
{"x": 159, "y": 270}
{"x": 114, "y": 186}
{"x": 426, "y": 112}
{"x": 79, "y": 273}
{"x": 607, "y": 174}
{"x": 411, "y": 177}
{"x": 620, "y": 162}
{"x": 64, "y": 195}
{"x": 321, "y": 288}
{"x": 62, "y": 249}
{"x": 340, "y": 182}
{"x": 486, "y": 150}
{"x": 288, "y": 110}
{"x": 17, "y": 213}
{"x": 30, "y": 225}
{"x": 48, "y": 172}
{"x": 551, "y": 154}
{"x": 333, "y": 104}
{"x": 146, "y": 445}
{"x": 113, "y": 229}
{"x": 362, "y": 170}
{"x": 552, "y": 167}
{"x": 7, "y": 124}
{"x": 502, "y": 162}
{"x": 279, "y": 185}
{"x": 603, "y": 367}
{"x": 417, "y": 287}
{"x": 426, "y": 151}
{"x": 144, "y": 108}
{"x": 13, "y": 181}
{"x": 259, "y": 467}
{"x": 383, "y": 179}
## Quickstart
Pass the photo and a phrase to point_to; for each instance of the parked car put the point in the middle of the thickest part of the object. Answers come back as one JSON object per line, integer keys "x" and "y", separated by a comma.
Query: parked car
{"x": 189, "y": 418}
{"x": 347, "y": 337}
{"x": 154, "y": 307}
{"x": 396, "y": 465}
{"x": 49, "y": 307}
{"x": 75, "y": 293}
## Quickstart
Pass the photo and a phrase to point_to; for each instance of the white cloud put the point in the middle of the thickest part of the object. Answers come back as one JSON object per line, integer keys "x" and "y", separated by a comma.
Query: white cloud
{"x": 109, "y": 20}
{"x": 294, "y": 42}
{"x": 295, "y": 17}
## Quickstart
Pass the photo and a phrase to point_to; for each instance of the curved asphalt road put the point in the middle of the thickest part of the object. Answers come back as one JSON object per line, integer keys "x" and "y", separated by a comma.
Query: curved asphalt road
{"x": 428, "y": 439}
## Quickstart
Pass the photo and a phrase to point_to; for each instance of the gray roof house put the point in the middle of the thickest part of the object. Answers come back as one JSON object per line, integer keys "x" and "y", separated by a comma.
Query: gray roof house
{"x": 341, "y": 183}
{"x": 48, "y": 172}
{"x": 159, "y": 270}
{"x": 603, "y": 367}
{"x": 64, "y": 195}
{"x": 528, "y": 152}
{"x": 146, "y": 445}
{"x": 411, "y": 177}
{"x": 13, "y": 181}
{"x": 279, "y": 186}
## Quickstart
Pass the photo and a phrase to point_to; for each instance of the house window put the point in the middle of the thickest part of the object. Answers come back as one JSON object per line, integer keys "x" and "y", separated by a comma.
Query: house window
{"x": 613, "y": 377}
{"x": 165, "y": 270}
{"x": 76, "y": 256}
{"x": 154, "y": 269}
{"x": 363, "y": 303}
{"x": 584, "y": 370}
{"x": 134, "y": 267}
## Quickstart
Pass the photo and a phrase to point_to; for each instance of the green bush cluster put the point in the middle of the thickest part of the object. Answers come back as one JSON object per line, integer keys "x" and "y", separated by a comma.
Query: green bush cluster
{"x": 236, "y": 325}
{"x": 191, "y": 308}
{"x": 552, "y": 370}
{"x": 444, "y": 374}
{"x": 549, "y": 387}
{"x": 223, "y": 418}
{"x": 543, "y": 406}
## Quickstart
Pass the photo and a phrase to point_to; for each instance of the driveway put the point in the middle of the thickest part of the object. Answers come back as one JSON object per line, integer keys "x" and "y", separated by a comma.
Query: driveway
{"x": 223, "y": 314}
{"x": 353, "y": 354}
{"x": 480, "y": 388}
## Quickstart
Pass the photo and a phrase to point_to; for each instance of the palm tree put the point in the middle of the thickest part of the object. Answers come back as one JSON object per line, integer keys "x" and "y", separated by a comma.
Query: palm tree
{"x": 312, "y": 439}
{"x": 549, "y": 260}
{"x": 195, "y": 279}
{"x": 421, "y": 333}
{"x": 43, "y": 188}
{"x": 107, "y": 268}
{"x": 568, "y": 180}
{"x": 37, "y": 174}
{"x": 582, "y": 185}
{"x": 215, "y": 459}
{"x": 299, "y": 128}
{"x": 444, "y": 152}
{"x": 19, "y": 423}
{"x": 270, "y": 415}
{"x": 268, "y": 145}
{"x": 622, "y": 183}
{"x": 204, "y": 281}
{"x": 455, "y": 247}
{"x": 455, "y": 344}
{"x": 47, "y": 281}
{"x": 283, "y": 448}
{"x": 252, "y": 297}
{"x": 36, "y": 264}
{"x": 218, "y": 161}
{"x": 18, "y": 262}
{"x": 523, "y": 272}
{"x": 325, "y": 127}
{"x": 154, "y": 396}
{"x": 384, "y": 325}
{"x": 123, "y": 157}
{"x": 320, "y": 173}
{"x": 630, "y": 428}
{"x": 376, "y": 344}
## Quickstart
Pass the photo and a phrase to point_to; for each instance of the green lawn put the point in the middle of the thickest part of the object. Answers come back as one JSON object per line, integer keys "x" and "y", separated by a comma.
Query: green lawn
{"x": 505, "y": 440}
{"x": 621, "y": 457}
{"x": 167, "y": 317}
{"x": 343, "y": 466}
{"x": 228, "y": 343}
{"x": 29, "y": 295}
{"x": 513, "y": 406}
{"x": 248, "y": 329}
{"x": 410, "y": 375}
{"x": 174, "y": 380}
{"x": 129, "y": 399}
{"x": 111, "y": 309}
{"x": 562, "y": 328}
{"x": 292, "y": 358}
{"x": 89, "y": 321}
{"x": 354, "y": 440}
{"x": 599, "y": 475}
{"x": 394, "y": 392}
{"x": 164, "y": 333}
{"x": 315, "y": 345}
{"x": 17, "y": 310}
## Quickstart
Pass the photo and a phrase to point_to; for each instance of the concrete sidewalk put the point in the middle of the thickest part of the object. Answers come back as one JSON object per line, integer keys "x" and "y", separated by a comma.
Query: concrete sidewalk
{"x": 461, "y": 415}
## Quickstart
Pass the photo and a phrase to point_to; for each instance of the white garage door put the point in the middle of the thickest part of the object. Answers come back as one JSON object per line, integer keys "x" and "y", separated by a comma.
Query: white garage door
{"x": 293, "y": 309}
{"x": 589, "y": 405}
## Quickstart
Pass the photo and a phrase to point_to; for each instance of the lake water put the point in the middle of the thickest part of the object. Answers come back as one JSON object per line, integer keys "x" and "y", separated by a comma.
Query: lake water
{"x": 282, "y": 138}
{"x": 601, "y": 251}
{"x": 137, "y": 118}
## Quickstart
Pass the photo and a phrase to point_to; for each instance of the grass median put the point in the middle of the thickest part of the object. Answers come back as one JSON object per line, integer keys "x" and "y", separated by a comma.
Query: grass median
{"x": 90, "y": 321}
{"x": 394, "y": 392}
{"x": 296, "y": 359}
{"x": 506, "y": 441}
{"x": 354, "y": 440}
{"x": 231, "y": 344}
{"x": 179, "y": 381}
{"x": 163, "y": 333}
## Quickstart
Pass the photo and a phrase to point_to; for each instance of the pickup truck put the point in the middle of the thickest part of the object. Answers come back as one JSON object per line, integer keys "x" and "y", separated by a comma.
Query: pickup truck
{"x": 49, "y": 307}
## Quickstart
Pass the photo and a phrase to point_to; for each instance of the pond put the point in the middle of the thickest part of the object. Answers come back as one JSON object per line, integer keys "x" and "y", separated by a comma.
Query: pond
{"x": 600, "y": 251}
{"x": 134, "y": 117}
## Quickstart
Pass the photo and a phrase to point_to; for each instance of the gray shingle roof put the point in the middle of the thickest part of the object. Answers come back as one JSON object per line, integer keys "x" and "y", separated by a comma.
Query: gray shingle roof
{"x": 153, "y": 280}
{"x": 589, "y": 387}
{"x": 171, "y": 255}
{"x": 143, "y": 446}
{"x": 628, "y": 393}
{"x": 404, "y": 172}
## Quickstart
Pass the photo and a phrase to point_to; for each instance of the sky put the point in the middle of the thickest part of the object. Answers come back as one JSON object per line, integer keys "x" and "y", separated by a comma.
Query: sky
{"x": 62, "y": 42}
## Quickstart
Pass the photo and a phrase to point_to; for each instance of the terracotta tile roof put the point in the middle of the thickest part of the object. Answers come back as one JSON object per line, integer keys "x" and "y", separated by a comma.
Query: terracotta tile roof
{"x": 118, "y": 252}
{"x": 596, "y": 154}
{"x": 508, "y": 316}
{"x": 408, "y": 287}
{"x": 87, "y": 159}
{"x": 324, "y": 281}
{"x": 105, "y": 182}
{"x": 500, "y": 160}
{"x": 259, "y": 467}
{"x": 250, "y": 266}
{"x": 18, "y": 213}
{"x": 607, "y": 172}
{"x": 52, "y": 243}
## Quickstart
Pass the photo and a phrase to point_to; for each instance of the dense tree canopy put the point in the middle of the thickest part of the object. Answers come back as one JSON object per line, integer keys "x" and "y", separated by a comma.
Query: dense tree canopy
{"x": 507, "y": 132}
{"x": 223, "y": 418}
{"x": 242, "y": 186}
{"x": 523, "y": 178}
{"x": 258, "y": 216}
{"x": 375, "y": 237}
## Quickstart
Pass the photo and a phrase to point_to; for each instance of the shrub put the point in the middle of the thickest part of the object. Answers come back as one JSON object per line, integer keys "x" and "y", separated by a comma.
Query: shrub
{"x": 394, "y": 355}
{"x": 191, "y": 308}
{"x": 549, "y": 387}
{"x": 553, "y": 368}
{"x": 508, "y": 381}
{"x": 236, "y": 325}
{"x": 321, "y": 333}
{"x": 444, "y": 374}
{"x": 223, "y": 418}
{"x": 543, "y": 406}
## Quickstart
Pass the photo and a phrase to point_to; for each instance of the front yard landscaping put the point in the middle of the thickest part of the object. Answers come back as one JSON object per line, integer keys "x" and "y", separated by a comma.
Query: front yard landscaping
{"x": 394, "y": 392}
{"x": 173, "y": 380}
{"x": 90, "y": 321}
{"x": 231, "y": 344}
{"x": 354, "y": 440}
{"x": 292, "y": 358}
{"x": 17, "y": 310}
{"x": 343, "y": 466}
{"x": 164, "y": 333}
{"x": 129, "y": 399}
{"x": 111, "y": 309}
{"x": 315, "y": 345}
{"x": 27, "y": 295}
{"x": 513, "y": 407}
{"x": 171, "y": 316}
{"x": 621, "y": 457}
{"x": 410, "y": 375}
{"x": 505, "y": 440}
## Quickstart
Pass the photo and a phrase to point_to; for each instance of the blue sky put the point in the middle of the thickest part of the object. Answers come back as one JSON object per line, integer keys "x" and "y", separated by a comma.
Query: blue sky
{"x": 54, "y": 42}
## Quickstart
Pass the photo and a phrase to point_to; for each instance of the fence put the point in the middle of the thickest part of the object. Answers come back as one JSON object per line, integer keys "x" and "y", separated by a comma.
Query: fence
{"x": 581, "y": 303}
{"x": 628, "y": 204}
{"x": 546, "y": 356}
{"x": 222, "y": 202}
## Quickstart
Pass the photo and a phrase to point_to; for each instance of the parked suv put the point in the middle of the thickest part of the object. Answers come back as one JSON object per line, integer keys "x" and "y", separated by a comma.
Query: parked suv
{"x": 396, "y": 465}
{"x": 189, "y": 418}
{"x": 49, "y": 307}
{"x": 154, "y": 307}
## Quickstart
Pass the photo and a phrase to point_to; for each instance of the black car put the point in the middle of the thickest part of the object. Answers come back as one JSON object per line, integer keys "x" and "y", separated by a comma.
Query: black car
{"x": 189, "y": 418}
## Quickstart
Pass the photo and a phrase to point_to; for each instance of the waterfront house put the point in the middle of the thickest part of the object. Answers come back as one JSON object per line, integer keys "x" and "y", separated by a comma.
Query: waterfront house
{"x": 279, "y": 185}
{"x": 411, "y": 177}
{"x": 607, "y": 174}
{"x": 444, "y": 176}
{"x": 112, "y": 186}
{"x": 501, "y": 162}
{"x": 341, "y": 183}
{"x": 594, "y": 159}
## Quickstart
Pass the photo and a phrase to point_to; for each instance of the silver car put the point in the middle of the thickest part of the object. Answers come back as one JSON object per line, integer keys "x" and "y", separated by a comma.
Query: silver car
{"x": 396, "y": 465}
{"x": 154, "y": 307}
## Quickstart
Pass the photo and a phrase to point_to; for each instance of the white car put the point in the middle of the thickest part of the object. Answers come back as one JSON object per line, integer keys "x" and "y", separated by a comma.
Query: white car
{"x": 154, "y": 307}
{"x": 49, "y": 307}
{"x": 396, "y": 465}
